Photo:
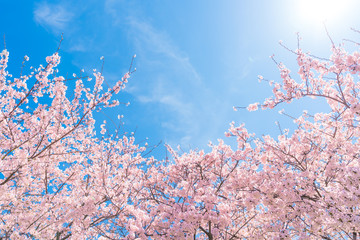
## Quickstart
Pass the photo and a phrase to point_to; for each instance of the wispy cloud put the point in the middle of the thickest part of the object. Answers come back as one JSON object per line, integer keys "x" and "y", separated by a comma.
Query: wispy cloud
{"x": 54, "y": 17}
{"x": 186, "y": 110}
{"x": 171, "y": 98}
{"x": 157, "y": 42}
{"x": 175, "y": 84}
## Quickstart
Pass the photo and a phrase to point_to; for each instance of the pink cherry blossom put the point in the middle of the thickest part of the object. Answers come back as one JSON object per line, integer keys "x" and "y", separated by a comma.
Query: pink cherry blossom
{"x": 60, "y": 180}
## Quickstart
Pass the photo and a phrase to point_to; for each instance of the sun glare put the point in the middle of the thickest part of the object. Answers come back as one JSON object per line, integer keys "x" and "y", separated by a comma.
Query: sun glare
{"x": 318, "y": 11}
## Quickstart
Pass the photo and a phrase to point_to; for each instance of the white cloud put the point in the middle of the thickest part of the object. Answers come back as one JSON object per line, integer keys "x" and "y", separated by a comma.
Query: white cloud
{"x": 157, "y": 42}
{"x": 79, "y": 47}
{"x": 54, "y": 17}
{"x": 195, "y": 113}
{"x": 176, "y": 76}
{"x": 174, "y": 82}
{"x": 168, "y": 97}
{"x": 166, "y": 78}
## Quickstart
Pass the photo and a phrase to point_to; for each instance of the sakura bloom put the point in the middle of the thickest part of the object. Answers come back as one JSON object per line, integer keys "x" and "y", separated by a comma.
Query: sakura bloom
{"x": 40, "y": 199}
{"x": 303, "y": 185}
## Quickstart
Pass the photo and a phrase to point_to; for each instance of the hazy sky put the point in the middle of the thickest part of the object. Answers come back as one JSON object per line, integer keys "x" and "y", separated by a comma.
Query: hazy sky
{"x": 195, "y": 59}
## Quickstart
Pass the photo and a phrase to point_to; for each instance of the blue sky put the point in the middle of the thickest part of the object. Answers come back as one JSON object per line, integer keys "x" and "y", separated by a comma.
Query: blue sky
{"x": 195, "y": 59}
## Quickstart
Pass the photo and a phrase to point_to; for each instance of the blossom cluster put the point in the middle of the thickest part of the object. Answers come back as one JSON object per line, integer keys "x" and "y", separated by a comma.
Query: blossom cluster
{"x": 58, "y": 180}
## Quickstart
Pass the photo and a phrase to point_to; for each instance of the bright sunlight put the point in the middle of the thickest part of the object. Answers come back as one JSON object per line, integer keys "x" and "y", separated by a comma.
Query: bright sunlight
{"x": 319, "y": 11}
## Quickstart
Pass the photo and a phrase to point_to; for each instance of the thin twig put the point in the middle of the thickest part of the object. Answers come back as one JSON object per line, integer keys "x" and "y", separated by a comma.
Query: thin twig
{"x": 327, "y": 33}
{"x": 61, "y": 39}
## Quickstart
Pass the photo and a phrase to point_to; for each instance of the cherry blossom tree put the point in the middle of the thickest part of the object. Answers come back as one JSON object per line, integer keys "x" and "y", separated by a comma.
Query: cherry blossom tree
{"x": 58, "y": 180}
{"x": 194, "y": 196}
{"x": 308, "y": 178}
{"x": 300, "y": 185}
{"x": 61, "y": 180}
